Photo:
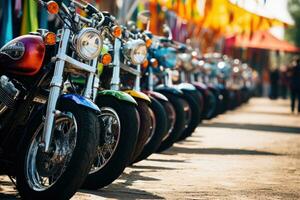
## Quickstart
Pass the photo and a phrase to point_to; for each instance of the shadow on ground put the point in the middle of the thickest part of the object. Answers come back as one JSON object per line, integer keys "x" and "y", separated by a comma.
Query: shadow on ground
{"x": 154, "y": 168}
{"x": 123, "y": 191}
{"x": 164, "y": 160}
{"x": 256, "y": 127}
{"x": 268, "y": 113}
{"x": 219, "y": 151}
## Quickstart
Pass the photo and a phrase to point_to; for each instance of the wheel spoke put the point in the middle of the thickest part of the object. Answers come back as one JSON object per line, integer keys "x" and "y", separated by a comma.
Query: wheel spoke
{"x": 44, "y": 169}
{"x": 112, "y": 130}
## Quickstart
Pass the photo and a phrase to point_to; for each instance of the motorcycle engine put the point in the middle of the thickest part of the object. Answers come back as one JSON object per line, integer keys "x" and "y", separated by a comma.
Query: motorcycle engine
{"x": 8, "y": 94}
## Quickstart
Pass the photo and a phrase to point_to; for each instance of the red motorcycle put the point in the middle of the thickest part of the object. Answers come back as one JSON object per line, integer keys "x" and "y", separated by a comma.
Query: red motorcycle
{"x": 48, "y": 136}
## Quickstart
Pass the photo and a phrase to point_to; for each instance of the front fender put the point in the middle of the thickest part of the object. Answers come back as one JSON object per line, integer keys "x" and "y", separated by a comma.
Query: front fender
{"x": 186, "y": 86}
{"x": 138, "y": 95}
{"x": 200, "y": 85}
{"x": 80, "y": 100}
{"x": 156, "y": 95}
{"x": 170, "y": 90}
{"x": 118, "y": 94}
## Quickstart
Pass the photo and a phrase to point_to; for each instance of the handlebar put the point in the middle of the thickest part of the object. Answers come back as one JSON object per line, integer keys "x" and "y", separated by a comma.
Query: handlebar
{"x": 87, "y": 7}
{"x": 90, "y": 10}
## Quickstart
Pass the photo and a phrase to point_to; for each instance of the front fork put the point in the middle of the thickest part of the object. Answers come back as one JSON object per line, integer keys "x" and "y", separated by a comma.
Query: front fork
{"x": 137, "y": 85}
{"x": 92, "y": 84}
{"x": 168, "y": 78}
{"x": 115, "y": 80}
{"x": 55, "y": 90}
{"x": 150, "y": 80}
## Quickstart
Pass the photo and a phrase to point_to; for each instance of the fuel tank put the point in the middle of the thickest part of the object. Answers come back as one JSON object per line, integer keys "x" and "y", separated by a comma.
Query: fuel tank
{"x": 23, "y": 56}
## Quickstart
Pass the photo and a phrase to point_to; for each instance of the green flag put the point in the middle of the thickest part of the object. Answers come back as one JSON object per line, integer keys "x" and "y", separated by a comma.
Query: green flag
{"x": 30, "y": 17}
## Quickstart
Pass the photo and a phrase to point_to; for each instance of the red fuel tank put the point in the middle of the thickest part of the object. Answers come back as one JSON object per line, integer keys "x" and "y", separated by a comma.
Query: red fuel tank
{"x": 23, "y": 56}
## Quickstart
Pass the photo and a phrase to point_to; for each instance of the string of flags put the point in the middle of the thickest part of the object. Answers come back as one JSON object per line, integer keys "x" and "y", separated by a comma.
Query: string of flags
{"x": 186, "y": 18}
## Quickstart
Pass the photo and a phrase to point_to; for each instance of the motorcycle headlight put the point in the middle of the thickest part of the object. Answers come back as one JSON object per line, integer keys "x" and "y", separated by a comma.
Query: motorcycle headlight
{"x": 135, "y": 51}
{"x": 88, "y": 43}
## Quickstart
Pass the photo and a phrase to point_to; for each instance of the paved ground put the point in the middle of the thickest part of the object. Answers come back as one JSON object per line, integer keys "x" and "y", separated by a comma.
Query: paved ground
{"x": 251, "y": 153}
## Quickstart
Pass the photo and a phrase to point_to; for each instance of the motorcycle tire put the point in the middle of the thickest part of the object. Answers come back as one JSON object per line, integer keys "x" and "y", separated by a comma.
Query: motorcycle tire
{"x": 79, "y": 162}
{"x": 194, "y": 102}
{"x": 210, "y": 105}
{"x": 179, "y": 126}
{"x": 117, "y": 162}
{"x": 171, "y": 118}
{"x": 145, "y": 128}
{"x": 160, "y": 130}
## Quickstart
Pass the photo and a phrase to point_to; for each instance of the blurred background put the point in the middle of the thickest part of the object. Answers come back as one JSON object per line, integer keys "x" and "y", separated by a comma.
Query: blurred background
{"x": 263, "y": 33}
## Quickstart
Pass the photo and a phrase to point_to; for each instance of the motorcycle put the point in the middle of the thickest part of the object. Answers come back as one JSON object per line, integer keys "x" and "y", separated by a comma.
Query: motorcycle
{"x": 197, "y": 77}
{"x": 129, "y": 55}
{"x": 119, "y": 116}
{"x": 178, "y": 120}
{"x": 193, "y": 96}
{"x": 49, "y": 135}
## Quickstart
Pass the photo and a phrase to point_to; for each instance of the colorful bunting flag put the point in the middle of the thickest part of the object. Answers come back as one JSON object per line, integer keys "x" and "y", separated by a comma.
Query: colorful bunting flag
{"x": 7, "y": 22}
{"x": 30, "y": 18}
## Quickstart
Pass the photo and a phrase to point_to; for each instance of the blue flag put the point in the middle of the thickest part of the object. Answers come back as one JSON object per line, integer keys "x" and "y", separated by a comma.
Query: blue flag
{"x": 7, "y": 22}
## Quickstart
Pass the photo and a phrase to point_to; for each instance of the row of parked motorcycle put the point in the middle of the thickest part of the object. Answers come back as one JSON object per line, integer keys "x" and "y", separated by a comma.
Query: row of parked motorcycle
{"x": 79, "y": 106}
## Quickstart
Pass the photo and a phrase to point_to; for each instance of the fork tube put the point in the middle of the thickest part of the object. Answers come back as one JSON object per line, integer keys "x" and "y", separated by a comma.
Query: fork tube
{"x": 150, "y": 79}
{"x": 169, "y": 81}
{"x": 96, "y": 82}
{"x": 192, "y": 78}
{"x": 115, "y": 81}
{"x": 55, "y": 89}
{"x": 137, "y": 85}
{"x": 95, "y": 88}
{"x": 88, "y": 92}
{"x": 182, "y": 77}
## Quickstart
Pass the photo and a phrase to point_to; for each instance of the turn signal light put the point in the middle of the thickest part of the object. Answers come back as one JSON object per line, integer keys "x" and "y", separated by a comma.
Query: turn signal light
{"x": 106, "y": 59}
{"x": 52, "y": 7}
{"x": 50, "y": 38}
{"x": 145, "y": 64}
{"x": 117, "y": 31}
{"x": 148, "y": 43}
{"x": 154, "y": 62}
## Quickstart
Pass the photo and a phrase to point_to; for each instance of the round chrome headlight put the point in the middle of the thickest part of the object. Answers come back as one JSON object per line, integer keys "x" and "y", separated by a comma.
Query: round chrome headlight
{"x": 135, "y": 51}
{"x": 88, "y": 43}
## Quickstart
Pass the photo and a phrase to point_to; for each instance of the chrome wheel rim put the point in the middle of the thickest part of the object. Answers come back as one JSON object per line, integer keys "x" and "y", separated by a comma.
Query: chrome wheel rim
{"x": 171, "y": 117}
{"x": 112, "y": 133}
{"x": 187, "y": 112}
{"x": 153, "y": 125}
{"x": 43, "y": 169}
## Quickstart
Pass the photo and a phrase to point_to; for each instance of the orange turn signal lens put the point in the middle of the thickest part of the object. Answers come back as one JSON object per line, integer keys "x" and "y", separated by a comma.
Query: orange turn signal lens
{"x": 145, "y": 63}
{"x": 154, "y": 62}
{"x": 50, "y": 38}
{"x": 148, "y": 43}
{"x": 117, "y": 31}
{"x": 106, "y": 59}
{"x": 52, "y": 7}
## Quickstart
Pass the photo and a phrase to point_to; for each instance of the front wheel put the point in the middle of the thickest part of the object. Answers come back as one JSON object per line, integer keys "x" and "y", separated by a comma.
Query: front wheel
{"x": 159, "y": 130}
{"x": 193, "y": 99}
{"x": 58, "y": 173}
{"x": 180, "y": 106}
{"x": 120, "y": 130}
{"x": 145, "y": 128}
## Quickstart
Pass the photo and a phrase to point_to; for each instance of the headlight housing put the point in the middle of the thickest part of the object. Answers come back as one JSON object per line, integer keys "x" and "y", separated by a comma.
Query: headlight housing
{"x": 135, "y": 51}
{"x": 88, "y": 43}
